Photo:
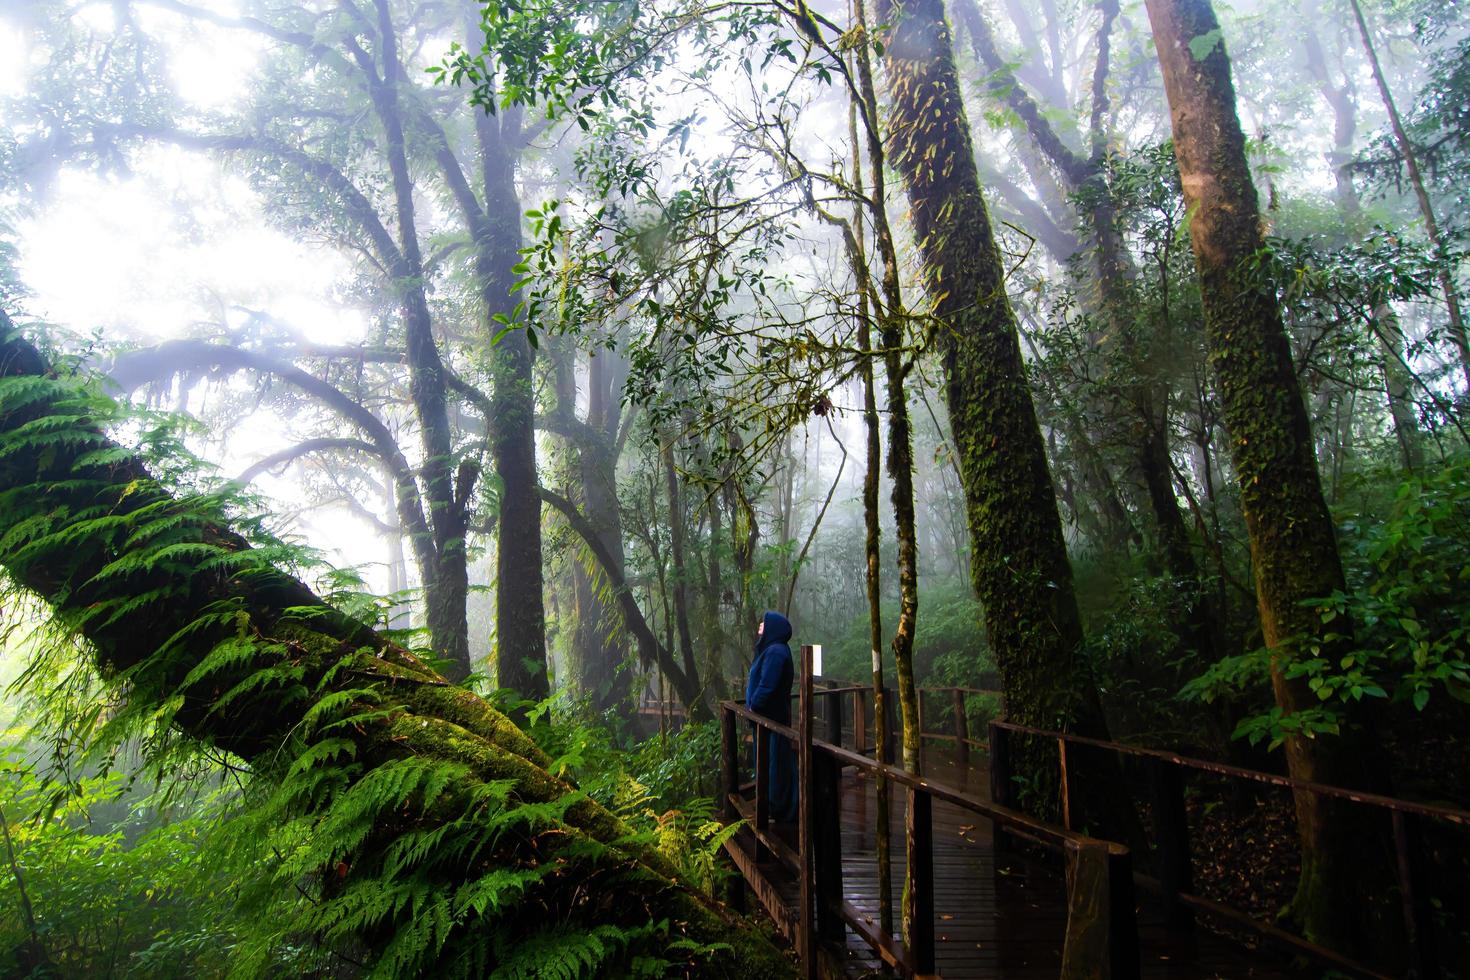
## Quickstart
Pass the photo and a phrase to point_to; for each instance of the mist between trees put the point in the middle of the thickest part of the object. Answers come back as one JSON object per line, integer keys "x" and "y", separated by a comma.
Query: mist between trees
{"x": 394, "y": 395}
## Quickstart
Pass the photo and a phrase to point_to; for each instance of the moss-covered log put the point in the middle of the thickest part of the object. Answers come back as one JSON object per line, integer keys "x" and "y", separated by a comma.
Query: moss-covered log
{"x": 1292, "y": 541}
{"x": 437, "y": 838}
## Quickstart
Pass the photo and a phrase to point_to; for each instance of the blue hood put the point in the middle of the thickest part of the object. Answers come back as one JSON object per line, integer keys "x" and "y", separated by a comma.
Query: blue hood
{"x": 777, "y": 629}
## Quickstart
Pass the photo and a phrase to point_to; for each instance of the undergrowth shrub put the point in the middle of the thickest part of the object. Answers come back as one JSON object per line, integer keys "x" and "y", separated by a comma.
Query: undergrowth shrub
{"x": 140, "y": 897}
{"x": 1405, "y": 543}
{"x": 949, "y": 641}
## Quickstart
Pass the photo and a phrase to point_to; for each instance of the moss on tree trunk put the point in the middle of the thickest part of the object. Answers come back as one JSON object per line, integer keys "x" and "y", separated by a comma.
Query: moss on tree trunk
{"x": 1019, "y": 563}
{"x": 1292, "y": 543}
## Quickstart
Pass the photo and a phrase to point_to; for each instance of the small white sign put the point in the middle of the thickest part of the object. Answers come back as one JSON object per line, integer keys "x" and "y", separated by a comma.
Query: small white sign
{"x": 816, "y": 660}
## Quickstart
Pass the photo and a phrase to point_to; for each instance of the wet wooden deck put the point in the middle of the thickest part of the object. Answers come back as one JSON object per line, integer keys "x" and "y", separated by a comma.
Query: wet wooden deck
{"x": 999, "y": 922}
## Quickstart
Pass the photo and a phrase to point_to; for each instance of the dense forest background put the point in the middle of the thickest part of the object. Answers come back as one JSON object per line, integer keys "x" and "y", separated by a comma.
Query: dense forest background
{"x": 556, "y": 341}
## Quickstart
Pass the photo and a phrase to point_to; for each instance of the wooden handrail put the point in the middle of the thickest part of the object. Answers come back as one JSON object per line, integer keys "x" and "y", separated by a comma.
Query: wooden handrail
{"x": 1435, "y": 811}
{"x": 1175, "y": 881}
{"x": 1006, "y": 816}
{"x": 962, "y": 689}
{"x": 1100, "y": 924}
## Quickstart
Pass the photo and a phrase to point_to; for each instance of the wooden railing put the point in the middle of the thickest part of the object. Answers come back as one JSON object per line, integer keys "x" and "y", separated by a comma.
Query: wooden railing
{"x": 840, "y": 713}
{"x": 1175, "y": 879}
{"x": 1101, "y": 934}
{"x": 844, "y": 711}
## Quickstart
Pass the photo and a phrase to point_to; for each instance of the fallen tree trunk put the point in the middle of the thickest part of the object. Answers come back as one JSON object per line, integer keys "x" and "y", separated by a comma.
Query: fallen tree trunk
{"x": 434, "y": 835}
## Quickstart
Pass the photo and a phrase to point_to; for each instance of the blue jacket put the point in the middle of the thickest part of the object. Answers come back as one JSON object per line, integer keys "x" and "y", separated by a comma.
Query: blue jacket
{"x": 768, "y": 688}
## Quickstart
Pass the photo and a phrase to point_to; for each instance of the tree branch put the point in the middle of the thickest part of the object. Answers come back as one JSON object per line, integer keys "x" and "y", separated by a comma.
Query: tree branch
{"x": 325, "y": 444}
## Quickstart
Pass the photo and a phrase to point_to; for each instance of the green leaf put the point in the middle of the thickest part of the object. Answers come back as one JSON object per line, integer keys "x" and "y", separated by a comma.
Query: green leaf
{"x": 1204, "y": 45}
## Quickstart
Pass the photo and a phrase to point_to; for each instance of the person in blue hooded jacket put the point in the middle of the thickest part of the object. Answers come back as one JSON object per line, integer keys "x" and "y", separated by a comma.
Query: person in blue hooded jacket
{"x": 768, "y": 693}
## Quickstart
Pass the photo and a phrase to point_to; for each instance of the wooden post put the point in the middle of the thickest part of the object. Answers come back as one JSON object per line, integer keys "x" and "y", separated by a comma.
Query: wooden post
{"x": 919, "y": 896}
{"x": 805, "y": 920}
{"x": 827, "y": 844}
{"x": 729, "y": 765}
{"x": 1102, "y": 926}
{"x": 961, "y": 729}
{"x": 890, "y": 719}
{"x": 1171, "y": 828}
{"x": 1123, "y": 952}
{"x": 1066, "y": 787}
{"x": 859, "y": 720}
{"x": 1002, "y": 791}
{"x": 1418, "y": 923}
{"x": 762, "y": 791}
{"x": 834, "y": 718}
{"x": 730, "y": 791}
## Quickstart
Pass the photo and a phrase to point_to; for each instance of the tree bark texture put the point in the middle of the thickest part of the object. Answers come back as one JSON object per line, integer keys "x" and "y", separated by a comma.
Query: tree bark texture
{"x": 1019, "y": 563}
{"x": 447, "y": 599}
{"x": 1020, "y": 566}
{"x": 872, "y": 518}
{"x": 182, "y": 612}
{"x": 890, "y": 315}
{"x": 1292, "y": 543}
{"x": 520, "y": 614}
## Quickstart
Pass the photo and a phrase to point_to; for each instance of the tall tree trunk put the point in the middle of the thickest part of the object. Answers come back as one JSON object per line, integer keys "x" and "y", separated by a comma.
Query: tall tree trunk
{"x": 678, "y": 531}
{"x": 1397, "y": 384}
{"x": 447, "y": 592}
{"x": 520, "y": 616}
{"x": 494, "y": 220}
{"x": 872, "y": 530}
{"x": 717, "y": 670}
{"x": 1145, "y": 401}
{"x": 597, "y": 650}
{"x": 650, "y": 650}
{"x": 1291, "y": 535}
{"x": 603, "y": 652}
{"x": 606, "y": 675}
{"x": 900, "y": 451}
{"x": 1020, "y": 567}
{"x": 1146, "y": 396}
{"x": 872, "y": 485}
{"x": 890, "y": 311}
{"x": 244, "y": 657}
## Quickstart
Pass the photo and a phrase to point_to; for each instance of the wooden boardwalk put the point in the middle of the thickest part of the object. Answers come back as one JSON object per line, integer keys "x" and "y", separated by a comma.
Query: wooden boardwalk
{"x": 1005, "y": 922}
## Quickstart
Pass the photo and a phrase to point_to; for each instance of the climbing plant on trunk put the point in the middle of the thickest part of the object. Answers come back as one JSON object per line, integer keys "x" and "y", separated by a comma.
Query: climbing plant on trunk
{"x": 1020, "y": 566}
